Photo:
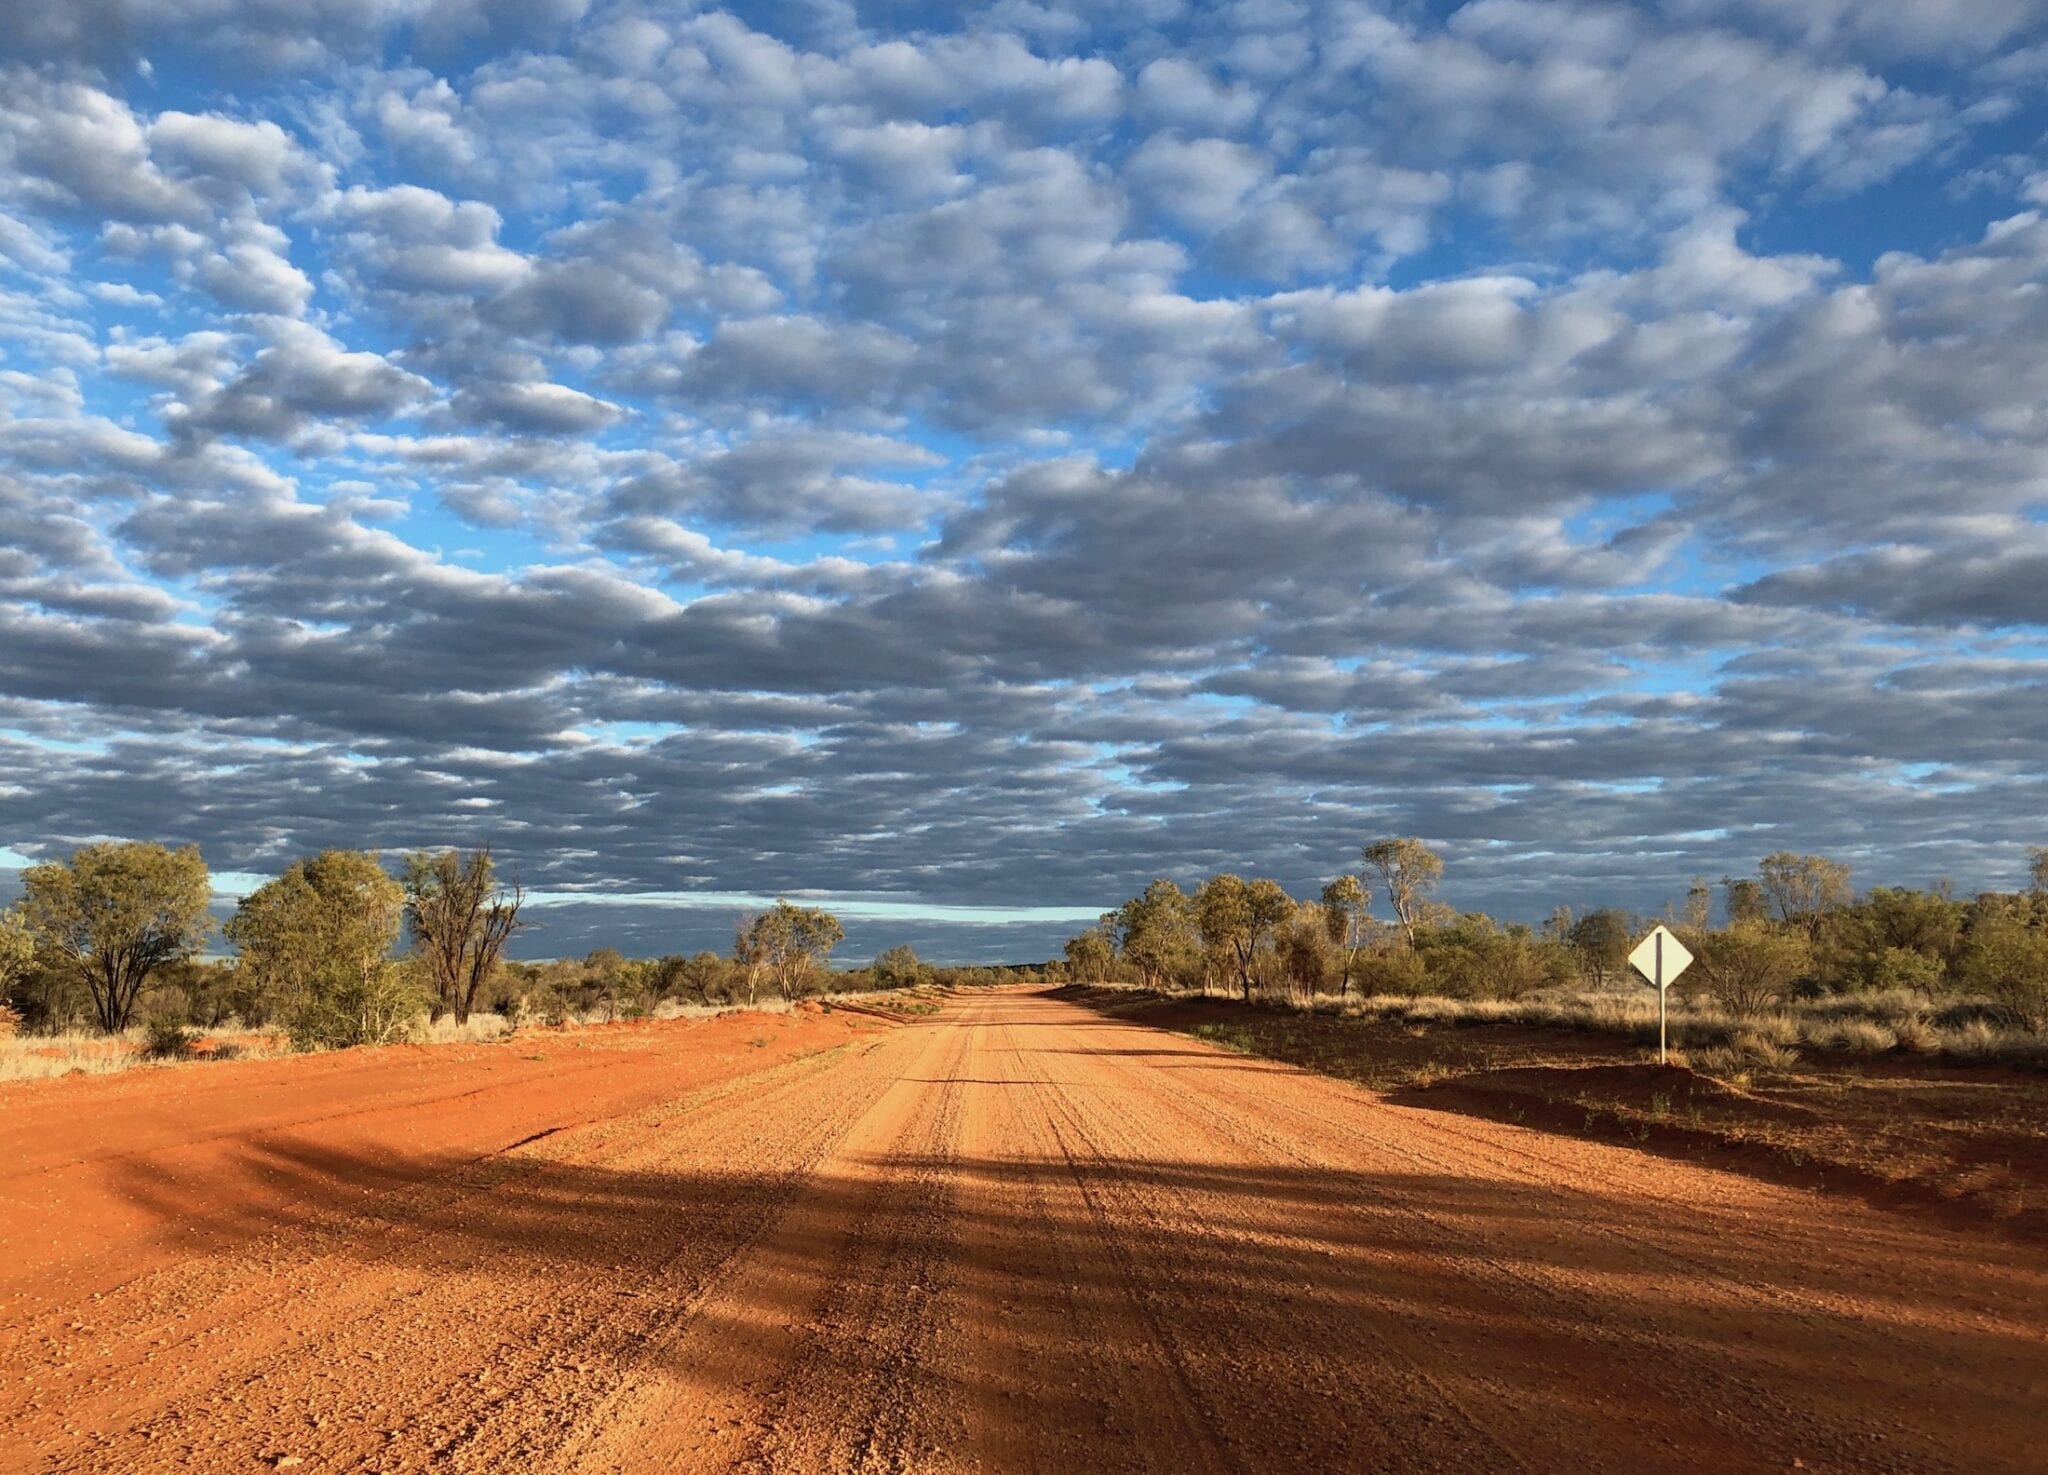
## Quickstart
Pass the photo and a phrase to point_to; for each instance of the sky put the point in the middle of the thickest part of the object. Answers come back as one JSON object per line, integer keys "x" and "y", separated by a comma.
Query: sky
{"x": 958, "y": 463}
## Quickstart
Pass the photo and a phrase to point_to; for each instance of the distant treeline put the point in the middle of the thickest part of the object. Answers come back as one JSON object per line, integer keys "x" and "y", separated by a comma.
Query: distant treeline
{"x": 338, "y": 950}
{"x": 112, "y": 937}
{"x": 1794, "y": 929}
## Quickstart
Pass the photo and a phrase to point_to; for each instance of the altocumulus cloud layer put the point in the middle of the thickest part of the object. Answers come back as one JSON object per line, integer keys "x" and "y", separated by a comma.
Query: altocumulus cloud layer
{"x": 987, "y": 456}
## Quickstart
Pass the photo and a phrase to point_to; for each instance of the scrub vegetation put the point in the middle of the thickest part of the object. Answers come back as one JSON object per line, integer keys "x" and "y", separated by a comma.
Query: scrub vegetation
{"x": 102, "y": 965}
{"x": 102, "y": 962}
{"x": 1789, "y": 960}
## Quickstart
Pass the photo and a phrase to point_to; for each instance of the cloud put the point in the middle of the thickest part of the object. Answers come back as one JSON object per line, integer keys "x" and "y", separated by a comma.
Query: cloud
{"x": 1200, "y": 181}
{"x": 299, "y": 380}
{"x": 1175, "y": 90}
{"x": 1008, "y": 456}
{"x": 541, "y": 409}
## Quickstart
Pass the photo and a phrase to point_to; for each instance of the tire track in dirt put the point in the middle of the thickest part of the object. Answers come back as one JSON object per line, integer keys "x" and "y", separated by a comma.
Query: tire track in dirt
{"x": 1021, "y": 1237}
{"x": 1059, "y": 1364}
{"x": 1737, "y": 1337}
{"x": 493, "y": 1273}
{"x": 813, "y": 1333}
{"x": 1301, "y": 1299}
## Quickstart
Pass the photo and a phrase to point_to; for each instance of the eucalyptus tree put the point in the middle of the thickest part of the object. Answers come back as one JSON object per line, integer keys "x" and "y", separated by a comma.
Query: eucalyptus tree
{"x": 1155, "y": 932}
{"x": 460, "y": 916}
{"x": 115, "y": 914}
{"x": 1091, "y": 955}
{"x": 1599, "y": 942}
{"x": 1804, "y": 888}
{"x": 789, "y": 943}
{"x": 899, "y": 967}
{"x": 317, "y": 942}
{"x": 1349, "y": 922}
{"x": 1743, "y": 900}
{"x": 1409, "y": 871}
{"x": 17, "y": 951}
{"x": 1236, "y": 916}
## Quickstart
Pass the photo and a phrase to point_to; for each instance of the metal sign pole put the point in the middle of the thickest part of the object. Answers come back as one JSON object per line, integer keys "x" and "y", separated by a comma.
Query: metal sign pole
{"x": 1662, "y": 1057}
{"x": 1660, "y": 958}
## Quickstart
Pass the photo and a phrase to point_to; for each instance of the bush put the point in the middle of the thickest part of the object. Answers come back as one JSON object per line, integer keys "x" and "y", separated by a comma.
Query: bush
{"x": 1400, "y": 973}
{"x": 1749, "y": 967}
{"x": 1903, "y": 968}
{"x": 375, "y": 1010}
{"x": 899, "y": 967}
{"x": 165, "y": 1038}
{"x": 2007, "y": 962}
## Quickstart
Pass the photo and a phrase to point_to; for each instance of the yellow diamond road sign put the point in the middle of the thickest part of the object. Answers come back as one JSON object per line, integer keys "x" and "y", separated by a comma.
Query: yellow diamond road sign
{"x": 1660, "y": 957}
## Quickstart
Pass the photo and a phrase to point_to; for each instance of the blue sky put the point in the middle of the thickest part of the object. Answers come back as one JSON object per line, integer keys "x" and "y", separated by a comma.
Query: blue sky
{"x": 968, "y": 461}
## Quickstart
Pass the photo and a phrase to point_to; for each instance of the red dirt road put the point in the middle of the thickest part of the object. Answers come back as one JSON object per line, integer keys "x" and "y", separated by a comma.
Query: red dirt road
{"x": 1017, "y": 1237}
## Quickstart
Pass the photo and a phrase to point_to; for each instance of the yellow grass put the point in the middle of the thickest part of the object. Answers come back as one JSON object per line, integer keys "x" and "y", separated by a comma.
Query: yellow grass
{"x": 41, "y": 1057}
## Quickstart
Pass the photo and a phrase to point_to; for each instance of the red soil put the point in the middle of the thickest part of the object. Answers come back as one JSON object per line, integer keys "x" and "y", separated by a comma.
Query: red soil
{"x": 1016, "y": 1237}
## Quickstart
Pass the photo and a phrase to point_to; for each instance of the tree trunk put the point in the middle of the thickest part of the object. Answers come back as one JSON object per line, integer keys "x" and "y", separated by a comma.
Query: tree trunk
{"x": 113, "y": 998}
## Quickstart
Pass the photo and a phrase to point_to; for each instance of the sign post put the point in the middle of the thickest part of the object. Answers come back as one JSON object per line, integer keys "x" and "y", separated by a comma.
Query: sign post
{"x": 1660, "y": 958}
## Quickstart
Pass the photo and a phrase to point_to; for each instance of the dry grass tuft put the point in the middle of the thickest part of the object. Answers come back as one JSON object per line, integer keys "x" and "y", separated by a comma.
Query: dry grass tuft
{"x": 1858, "y": 1025}
{"x": 76, "y": 1052}
{"x": 478, "y": 1029}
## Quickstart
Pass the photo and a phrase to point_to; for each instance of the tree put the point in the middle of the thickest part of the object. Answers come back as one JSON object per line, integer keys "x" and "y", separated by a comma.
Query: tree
{"x": 1924, "y": 921}
{"x": 2037, "y": 869}
{"x": 460, "y": 917}
{"x": 1236, "y": 916}
{"x": 2007, "y": 961}
{"x": 705, "y": 973}
{"x": 1090, "y": 955}
{"x": 1348, "y": 921}
{"x": 1804, "y": 888}
{"x": 316, "y": 942}
{"x": 1515, "y": 962}
{"x": 666, "y": 974}
{"x": 1304, "y": 946}
{"x": 1155, "y": 932}
{"x": 1409, "y": 870}
{"x": 613, "y": 982}
{"x": 116, "y": 914}
{"x": 1599, "y": 943}
{"x": 899, "y": 967}
{"x": 1749, "y": 966}
{"x": 787, "y": 943}
{"x": 17, "y": 957}
{"x": 1743, "y": 900}
{"x": 748, "y": 954}
{"x": 1699, "y": 906}
{"x": 17, "y": 951}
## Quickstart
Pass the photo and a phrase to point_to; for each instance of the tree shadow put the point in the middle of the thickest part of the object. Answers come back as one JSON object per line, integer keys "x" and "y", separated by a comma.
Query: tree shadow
{"x": 1054, "y": 1304}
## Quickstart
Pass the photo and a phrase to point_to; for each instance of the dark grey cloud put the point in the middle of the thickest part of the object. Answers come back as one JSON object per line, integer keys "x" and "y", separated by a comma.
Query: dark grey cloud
{"x": 999, "y": 462}
{"x": 300, "y": 379}
{"x": 1994, "y": 584}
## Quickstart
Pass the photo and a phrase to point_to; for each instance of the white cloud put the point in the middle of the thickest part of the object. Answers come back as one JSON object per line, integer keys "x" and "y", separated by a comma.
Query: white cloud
{"x": 1274, "y": 403}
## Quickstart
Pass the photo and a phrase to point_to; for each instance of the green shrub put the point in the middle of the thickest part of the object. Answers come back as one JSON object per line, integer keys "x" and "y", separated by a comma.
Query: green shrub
{"x": 1903, "y": 968}
{"x": 375, "y": 1008}
{"x": 166, "y": 1038}
{"x": 2007, "y": 961}
{"x": 1399, "y": 972}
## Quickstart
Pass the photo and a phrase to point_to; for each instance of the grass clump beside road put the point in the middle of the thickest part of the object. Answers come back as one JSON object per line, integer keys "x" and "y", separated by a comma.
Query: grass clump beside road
{"x": 1839, "y": 1095}
{"x": 77, "y": 1052}
{"x": 164, "y": 1042}
{"x": 1853, "y": 1026}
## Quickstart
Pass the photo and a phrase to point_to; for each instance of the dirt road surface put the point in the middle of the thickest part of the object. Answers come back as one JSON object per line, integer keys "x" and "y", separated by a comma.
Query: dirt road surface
{"x": 1018, "y": 1236}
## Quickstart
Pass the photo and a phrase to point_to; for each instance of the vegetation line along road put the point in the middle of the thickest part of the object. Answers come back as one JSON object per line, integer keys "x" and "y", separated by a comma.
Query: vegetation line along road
{"x": 113, "y": 933}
